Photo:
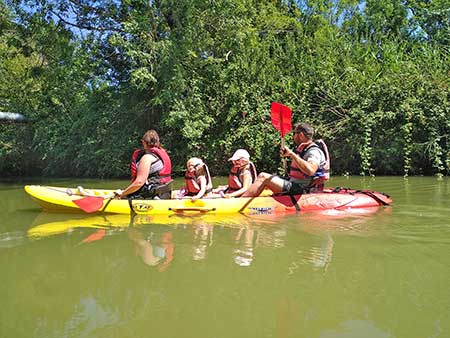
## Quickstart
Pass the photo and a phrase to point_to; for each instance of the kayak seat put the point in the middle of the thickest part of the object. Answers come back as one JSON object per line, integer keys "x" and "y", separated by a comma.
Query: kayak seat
{"x": 164, "y": 191}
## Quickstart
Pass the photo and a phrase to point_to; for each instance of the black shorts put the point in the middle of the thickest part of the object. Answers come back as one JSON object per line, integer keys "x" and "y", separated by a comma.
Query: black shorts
{"x": 293, "y": 188}
{"x": 151, "y": 191}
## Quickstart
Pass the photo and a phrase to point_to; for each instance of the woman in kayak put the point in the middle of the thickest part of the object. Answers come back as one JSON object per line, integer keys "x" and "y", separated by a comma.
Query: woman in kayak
{"x": 153, "y": 171}
{"x": 197, "y": 179}
{"x": 241, "y": 176}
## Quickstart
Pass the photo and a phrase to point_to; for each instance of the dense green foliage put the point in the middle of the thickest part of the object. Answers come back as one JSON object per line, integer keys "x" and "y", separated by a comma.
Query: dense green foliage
{"x": 371, "y": 76}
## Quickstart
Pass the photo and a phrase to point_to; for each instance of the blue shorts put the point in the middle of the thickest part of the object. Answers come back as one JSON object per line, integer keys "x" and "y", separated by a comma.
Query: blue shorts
{"x": 159, "y": 251}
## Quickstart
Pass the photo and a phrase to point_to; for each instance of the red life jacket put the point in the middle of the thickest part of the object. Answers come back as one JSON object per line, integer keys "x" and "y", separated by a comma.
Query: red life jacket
{"x": 234, "y": 178}
{"x": 164, "y": 175}
{"x": 322, "y": 174}
{"x": 137, "y": 154}
{"x": 193, "y": 184}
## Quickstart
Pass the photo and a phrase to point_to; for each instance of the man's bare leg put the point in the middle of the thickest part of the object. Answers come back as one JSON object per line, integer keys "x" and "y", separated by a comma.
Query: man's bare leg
{"x": 264, "y": 180}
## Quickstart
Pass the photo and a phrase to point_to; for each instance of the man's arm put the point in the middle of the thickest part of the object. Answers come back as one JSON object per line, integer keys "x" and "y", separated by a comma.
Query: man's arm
{"x": 308, "y": 167}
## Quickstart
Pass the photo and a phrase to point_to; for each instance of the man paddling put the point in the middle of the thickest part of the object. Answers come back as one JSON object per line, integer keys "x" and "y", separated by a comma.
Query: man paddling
{"x": 309, "y": 167}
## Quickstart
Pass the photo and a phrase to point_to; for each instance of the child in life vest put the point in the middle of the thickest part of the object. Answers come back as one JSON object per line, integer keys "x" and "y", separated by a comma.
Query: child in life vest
{"x": 197, "y": 179}
{"x": 241, "y": 176}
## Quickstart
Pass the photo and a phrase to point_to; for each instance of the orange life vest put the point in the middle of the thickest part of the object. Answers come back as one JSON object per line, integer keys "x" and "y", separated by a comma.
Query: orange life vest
{"x": 323, "y": 172}
{"x": 193, "y": 184}
{"x": 234, "y": 178}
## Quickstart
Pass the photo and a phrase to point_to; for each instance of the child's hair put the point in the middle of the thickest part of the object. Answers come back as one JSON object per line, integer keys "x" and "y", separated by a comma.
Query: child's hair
{"x": 200, "y": 171}
{"x": 199, "y": 165}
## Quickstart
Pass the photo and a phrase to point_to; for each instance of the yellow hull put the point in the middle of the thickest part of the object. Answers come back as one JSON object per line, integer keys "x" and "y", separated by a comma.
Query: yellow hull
{"x": 56, "y": 199}
{"x": 50, "y": 224}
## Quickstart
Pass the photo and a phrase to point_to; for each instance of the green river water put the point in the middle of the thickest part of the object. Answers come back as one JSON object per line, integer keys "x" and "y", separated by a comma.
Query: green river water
{"x": 382, "y": 273}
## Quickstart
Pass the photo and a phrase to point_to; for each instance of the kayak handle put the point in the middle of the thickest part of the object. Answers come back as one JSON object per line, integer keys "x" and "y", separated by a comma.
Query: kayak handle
{"x": 198, "y": 209}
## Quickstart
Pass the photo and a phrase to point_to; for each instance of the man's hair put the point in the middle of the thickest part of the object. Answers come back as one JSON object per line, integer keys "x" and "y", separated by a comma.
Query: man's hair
{"x": 151, "y": 138}
{"x": 304, "y": 128}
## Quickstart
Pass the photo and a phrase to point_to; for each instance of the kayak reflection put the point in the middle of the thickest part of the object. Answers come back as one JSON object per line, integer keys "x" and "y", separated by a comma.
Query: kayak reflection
{"x": 155, "y": 237}
{"x": 47, "y": 224}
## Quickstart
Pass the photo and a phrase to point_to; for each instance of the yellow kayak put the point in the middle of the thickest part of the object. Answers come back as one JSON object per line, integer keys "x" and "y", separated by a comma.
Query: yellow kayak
{"x": 61, "y": 199}
{"x": 49, "y": 224}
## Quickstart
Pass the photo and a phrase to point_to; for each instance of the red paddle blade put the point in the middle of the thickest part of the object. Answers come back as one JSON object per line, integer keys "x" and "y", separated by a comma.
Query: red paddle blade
{"x": 89, "y": 204}
{"x": 99, "y": 234}
{"x": 281, "y": 117}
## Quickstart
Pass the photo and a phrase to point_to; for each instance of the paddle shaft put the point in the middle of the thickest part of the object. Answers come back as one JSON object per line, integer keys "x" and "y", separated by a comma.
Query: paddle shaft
{"x": 284, "y": 158}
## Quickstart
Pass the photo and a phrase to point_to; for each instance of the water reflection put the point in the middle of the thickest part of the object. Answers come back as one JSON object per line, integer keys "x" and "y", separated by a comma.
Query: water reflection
{"x": 154, "y": 249}
{"x": 356, "y": 328}
{"x": 318, "y": 256}
{"x": 241, "y": 257}
{"x": 154, "y": 244}
{"x": 244, "y": 240}
{"x": 89, "y": 315}
{"x": 12, "y": 239}
{"x": 203, "y": 239}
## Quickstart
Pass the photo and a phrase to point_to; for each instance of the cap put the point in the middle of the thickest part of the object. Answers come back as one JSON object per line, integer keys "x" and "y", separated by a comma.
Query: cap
{"x": 195, "y": 161}
{"x": 238, "y": 154}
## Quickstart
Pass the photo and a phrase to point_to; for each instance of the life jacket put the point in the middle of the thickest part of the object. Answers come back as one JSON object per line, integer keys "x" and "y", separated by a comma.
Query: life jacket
{"x": 162, "y": 176}
{"x": 137, "y": 154}
{"x": 193, "y": 185}
{"x": 234, "y": 177}
{"x": 322, "y": 174}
